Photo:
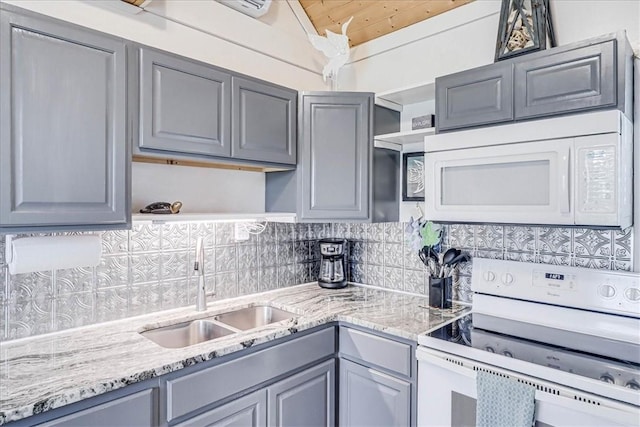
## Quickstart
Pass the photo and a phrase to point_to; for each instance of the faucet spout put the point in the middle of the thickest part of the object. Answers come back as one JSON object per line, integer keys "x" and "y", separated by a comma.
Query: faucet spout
{"x": 198, "y": 268}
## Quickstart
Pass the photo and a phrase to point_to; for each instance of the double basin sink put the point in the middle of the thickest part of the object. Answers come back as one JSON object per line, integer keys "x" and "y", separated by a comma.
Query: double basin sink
{"x": 200, "y": 330}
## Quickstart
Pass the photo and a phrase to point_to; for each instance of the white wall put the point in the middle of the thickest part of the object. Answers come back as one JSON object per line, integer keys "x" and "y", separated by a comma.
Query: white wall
{"x": 201, "y": 190}
{"x": 465, "y": 38}
{"x": 273, "y": 48}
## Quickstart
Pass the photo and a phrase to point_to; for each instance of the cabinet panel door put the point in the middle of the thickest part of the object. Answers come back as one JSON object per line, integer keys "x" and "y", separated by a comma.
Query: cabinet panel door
{"x": 184, "y": 105}
{"x": 304, "y": 399}
{"x": 336, "y": 144}
{"x": 136, "y": 410}
{"x": 369, "y": 398}
{"x": 578, "y": 79}
{"x": 64, "y": 159}
{"x": 248, "y": 411}
{"x": 264, "y": 122}
{"x": 474, "y": 97}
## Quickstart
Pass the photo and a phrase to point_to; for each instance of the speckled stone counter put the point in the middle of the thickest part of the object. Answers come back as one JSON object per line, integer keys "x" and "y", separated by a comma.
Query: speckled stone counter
{"x": 49, "y": 371}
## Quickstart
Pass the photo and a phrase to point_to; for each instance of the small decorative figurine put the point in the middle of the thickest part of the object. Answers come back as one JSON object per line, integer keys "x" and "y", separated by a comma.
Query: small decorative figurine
{"x": 336, "y": 48}
{"x": 162, "y": 208}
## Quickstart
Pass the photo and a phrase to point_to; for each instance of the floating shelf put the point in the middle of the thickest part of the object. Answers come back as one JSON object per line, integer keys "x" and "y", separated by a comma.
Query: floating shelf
{"x": 214, "y": 217}
{"x": 406, "y": 137}
{"x": 397, "y": 98}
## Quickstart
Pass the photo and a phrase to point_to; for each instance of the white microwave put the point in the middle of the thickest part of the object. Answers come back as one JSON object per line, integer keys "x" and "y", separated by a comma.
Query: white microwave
{"x": 573, "y": 170}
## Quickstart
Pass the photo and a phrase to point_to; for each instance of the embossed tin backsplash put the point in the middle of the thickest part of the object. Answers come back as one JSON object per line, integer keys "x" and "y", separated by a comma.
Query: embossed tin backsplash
{"x": 149, "y": 268}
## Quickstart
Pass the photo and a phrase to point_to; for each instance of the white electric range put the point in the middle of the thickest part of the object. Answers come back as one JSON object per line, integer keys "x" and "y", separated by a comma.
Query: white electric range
{"x": 572, "y": 333}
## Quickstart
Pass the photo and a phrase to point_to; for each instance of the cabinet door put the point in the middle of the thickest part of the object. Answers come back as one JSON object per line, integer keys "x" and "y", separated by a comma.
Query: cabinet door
{"x": 184, "y": 105}
{"x": 575, "y": 80}
{"x": 136, "y": 410}
{"x": 64, "y": 159}
{"x": 475, "y": 97}
{"x": 370, "y": 398}
{"x": 304, "y": 399}
{"x": 335, "y": 166}
{"x": 248, "y": 411}
{"x": 264, "y": 122}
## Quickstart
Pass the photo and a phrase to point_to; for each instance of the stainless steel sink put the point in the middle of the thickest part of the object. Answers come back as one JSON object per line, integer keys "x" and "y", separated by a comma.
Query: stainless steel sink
{"x": 253, "y": 317}
{"x": 186, "y": 334}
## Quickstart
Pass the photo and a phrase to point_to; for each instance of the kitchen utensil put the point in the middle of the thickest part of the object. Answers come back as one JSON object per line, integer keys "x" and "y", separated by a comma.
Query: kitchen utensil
{"x": 459, "y": 259}
{"x": 162, "y": 208}
{"x": 449, "y": 255}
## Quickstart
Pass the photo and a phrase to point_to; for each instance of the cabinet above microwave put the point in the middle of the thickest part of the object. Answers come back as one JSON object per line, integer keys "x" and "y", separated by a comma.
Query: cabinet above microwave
{"x": 589, "y": 75}
{"x": 574, "y": 170}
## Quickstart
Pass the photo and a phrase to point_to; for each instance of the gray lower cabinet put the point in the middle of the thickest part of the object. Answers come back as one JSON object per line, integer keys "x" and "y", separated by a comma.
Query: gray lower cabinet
{"x": 247, "y": 411}
{"x": 474, "y": 97}
{"x": 136, "y": 410}
{"x": 371, "y": 398}
{"x": 64, "y": 157}
{"x": 333, "y": 179}
{"x": 263, "y": 121}
{"x": 184, "y": 105}
{"x": 304, "y": 399}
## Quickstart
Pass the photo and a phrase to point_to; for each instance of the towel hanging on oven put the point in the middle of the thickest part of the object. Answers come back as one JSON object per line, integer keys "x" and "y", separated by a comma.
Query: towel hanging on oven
{"x": 503, "y": 401}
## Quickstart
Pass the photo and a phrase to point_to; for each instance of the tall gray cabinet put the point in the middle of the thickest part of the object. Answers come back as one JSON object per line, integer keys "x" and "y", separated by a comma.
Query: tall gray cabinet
{"x": 335, "y": 143}
{"x": 64, "y": 157}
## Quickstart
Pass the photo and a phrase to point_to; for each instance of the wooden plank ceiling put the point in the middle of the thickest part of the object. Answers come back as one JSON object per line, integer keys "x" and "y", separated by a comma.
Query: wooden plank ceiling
{"x": 372, "y": 18}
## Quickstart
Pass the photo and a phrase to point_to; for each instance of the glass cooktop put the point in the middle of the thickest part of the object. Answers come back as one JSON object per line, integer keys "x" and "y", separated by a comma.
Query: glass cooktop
{"x": 592, "y": 357}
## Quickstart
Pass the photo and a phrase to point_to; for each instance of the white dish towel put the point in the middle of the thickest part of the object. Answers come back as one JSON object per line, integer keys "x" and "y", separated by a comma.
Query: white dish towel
{"x": 503, "y": 402}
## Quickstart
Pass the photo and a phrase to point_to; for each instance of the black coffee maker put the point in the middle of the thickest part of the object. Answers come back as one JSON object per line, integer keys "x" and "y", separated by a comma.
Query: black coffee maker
{"x": 333, "y": 263}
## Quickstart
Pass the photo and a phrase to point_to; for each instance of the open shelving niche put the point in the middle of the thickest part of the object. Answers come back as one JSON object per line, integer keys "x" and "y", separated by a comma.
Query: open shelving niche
{"x": 410, "y": 101}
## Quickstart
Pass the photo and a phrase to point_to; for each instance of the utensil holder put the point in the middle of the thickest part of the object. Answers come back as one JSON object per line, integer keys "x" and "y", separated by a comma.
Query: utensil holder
{"x": 440, "y": 292}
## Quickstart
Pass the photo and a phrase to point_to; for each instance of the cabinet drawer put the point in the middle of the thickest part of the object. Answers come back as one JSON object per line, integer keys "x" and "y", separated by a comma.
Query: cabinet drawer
{"x": 578, "y": 79}
{"x": 193, "y": 391}
{"x": 249, "y": 411}
{"x": 135, "y": 410}
{"x": 375, "y": 350}
{"x": 475, "y": 97}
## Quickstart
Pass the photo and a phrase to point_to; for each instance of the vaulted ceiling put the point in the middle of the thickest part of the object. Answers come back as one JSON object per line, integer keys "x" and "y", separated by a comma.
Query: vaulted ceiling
{"x": 373, "y": 18}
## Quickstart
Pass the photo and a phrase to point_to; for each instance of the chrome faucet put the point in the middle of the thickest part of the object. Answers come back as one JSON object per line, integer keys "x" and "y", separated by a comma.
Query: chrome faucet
{"x": 198, "y": 268}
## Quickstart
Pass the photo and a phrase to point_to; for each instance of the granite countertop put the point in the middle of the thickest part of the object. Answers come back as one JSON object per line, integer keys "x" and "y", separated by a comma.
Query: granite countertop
{"x": 49, "y": 371}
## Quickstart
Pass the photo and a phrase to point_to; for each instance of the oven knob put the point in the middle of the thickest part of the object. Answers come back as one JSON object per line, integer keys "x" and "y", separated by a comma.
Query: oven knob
{"x": 507, "y": 353}
{"x": 607, "y": 291}
{"x": 507, "y": 278}
{"x": 607, "y": 378}
{"x": 490, "y": 349}
{"x": 632, "y": 294}
{"x": 633, "y": 385}
{"x": 489, "y": 276}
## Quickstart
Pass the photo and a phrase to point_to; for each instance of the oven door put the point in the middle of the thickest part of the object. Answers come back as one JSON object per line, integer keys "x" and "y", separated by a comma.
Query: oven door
{"x": 525, "y": 183}
{"x": 447, "y": 397}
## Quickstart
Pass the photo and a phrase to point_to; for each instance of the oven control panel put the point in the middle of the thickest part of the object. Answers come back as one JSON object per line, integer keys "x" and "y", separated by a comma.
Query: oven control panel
{"x": 601, "y": 290}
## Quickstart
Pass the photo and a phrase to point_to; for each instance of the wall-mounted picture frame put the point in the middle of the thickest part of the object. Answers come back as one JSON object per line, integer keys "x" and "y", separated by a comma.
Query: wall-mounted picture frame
{"x": 524, "y": 27}
{"x": 413, "y": 177}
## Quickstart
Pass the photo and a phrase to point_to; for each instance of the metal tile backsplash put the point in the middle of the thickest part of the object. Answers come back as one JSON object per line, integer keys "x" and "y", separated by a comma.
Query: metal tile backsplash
{"x": 149, "y": 268}
{"x": 380, "y": 256}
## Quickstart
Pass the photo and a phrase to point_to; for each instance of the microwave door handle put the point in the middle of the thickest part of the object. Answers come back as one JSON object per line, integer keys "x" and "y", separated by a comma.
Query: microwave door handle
{"x": 565, "y": 193}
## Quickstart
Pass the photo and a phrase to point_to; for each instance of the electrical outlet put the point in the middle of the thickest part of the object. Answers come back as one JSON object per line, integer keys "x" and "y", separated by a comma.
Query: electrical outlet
{"x": 241, "y": 232}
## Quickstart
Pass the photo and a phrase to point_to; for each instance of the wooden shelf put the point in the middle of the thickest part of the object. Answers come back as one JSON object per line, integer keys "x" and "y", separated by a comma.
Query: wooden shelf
{"x": 397, "y": 98}
{"x": 215, "y": 217}
{"x": 406, "y": 137}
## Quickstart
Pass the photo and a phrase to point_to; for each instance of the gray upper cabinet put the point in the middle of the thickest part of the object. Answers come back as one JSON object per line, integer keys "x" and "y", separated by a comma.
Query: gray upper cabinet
{"x": 184, "y": 105}
{"x": 336, "y": 140}
{"x": 473, "y": 97}
{"x": 579, "y": 79}
{"x": 304, "y": 399}
{"x": 264, "y": 121}
{"x": 591, "y": 74}
{"x": 64, "y": 157}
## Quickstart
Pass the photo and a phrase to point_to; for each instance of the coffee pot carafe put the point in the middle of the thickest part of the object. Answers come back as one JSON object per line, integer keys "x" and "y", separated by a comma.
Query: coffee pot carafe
{"x": 333, "y": 265}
